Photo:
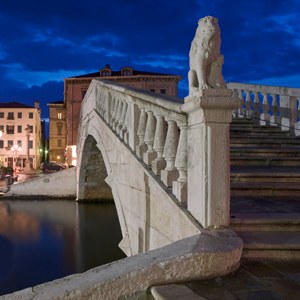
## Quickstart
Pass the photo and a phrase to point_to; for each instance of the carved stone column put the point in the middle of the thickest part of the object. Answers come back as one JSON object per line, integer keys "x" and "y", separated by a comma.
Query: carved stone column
{"x": 170, "y": 173}
{"x": 142, "y": 147}
{"x": 159, "y": 142}
{"x": 208, "y": 169}
{"x": 150, "y": 155}
{"x": 180, "y": 186}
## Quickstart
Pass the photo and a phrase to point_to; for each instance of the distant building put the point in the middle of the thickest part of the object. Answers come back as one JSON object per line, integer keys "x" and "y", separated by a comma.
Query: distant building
{"x": 16, "y": 120}
{"x": 76, "y": 87}
{"x": 57, "y": 131}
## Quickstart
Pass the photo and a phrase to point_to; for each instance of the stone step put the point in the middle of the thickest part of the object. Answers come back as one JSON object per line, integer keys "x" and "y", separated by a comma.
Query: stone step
{"x": 243, "y": 138}
{"x": 265, "y": 161}
{"x": 289, "y": 189}
{"x": 264, "y": 176}
{"x": 259, "y": 133}
{"x": 270, "y": 245}
{"x": 264, "y": 152}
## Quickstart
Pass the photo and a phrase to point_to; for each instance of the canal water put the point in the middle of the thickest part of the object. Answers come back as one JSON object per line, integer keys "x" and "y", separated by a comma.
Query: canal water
{"x": 44, "y": 240}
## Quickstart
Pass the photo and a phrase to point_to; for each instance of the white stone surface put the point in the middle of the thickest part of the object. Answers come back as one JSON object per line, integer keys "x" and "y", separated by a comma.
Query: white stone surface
{"x": 202, "y": 256}
{"x": 149, "y": 218}
{"x": 205, "y": 58}
{"x": 58, "y": 184}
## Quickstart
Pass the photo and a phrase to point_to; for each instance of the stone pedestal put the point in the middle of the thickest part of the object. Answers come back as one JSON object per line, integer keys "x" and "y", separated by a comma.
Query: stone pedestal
{"x": 209, "y": 114}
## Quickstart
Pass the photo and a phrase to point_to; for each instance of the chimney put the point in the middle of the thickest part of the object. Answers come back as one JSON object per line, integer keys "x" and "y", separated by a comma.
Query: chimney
{"x": 37, "y": 104}
{"x": 107, "y": 66}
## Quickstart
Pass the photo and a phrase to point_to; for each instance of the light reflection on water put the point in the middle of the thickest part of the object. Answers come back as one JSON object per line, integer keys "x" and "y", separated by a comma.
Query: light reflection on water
{"x": 44, "y": 240}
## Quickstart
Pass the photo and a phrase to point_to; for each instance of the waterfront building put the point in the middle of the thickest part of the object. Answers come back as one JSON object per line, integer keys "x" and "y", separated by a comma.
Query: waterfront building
{"x": 20, "y": 134}
{"x": 57, "y": 131}
{"x": 76, "y": 87}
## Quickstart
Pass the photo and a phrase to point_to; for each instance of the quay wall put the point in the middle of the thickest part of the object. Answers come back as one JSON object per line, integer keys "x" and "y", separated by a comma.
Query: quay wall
{"x": 60, "y": 184}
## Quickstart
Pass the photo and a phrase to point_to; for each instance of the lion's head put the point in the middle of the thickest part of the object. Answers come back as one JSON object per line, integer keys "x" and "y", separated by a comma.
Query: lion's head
{"x": 208, "y": 29}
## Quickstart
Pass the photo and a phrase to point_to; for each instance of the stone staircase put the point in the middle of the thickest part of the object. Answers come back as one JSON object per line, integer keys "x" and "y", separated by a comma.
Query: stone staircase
{"x": 265, "y": 190}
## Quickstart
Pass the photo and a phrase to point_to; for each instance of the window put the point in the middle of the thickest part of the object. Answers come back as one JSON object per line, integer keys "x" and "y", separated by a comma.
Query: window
{"x": 19, "y": 128}
{"x": 59, "y": 143}
{"x": 59, "y": 115}
{"x": 2, "y": 128}
{"x": 30, "y": 144}
{"x": 10, "y": 116}
{"x": 59, "y": 129}
{"x": 1, "y": 115}
{"x": 152, "y": 90}
{"x": 10, "y": 143}
{"x": 163, "y": 91}
{"x": 10, "y": 129}
{"x": 1, "y": 144}
{"x": 105, "y": 73}
{"x": 19, "y": 143}
{"x": 30, "y": 128}
{"x": 30, "y": 115}
{"x": 19, "y": 115}
{"x": 126, "y": 72}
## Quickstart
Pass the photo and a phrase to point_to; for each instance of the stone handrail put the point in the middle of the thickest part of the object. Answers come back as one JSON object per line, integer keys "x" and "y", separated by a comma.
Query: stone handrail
{"x": 186, "y": 145}
{"x": 152, "y": 125}
{"x": 269, "y": 105}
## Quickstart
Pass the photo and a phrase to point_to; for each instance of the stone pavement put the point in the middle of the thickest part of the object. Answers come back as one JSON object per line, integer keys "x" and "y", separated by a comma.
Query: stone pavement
{"x": 268, "y": 280}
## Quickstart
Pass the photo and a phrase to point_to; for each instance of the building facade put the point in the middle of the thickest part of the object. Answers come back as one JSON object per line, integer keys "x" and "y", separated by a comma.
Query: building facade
{"x": 57, "y": 131}
{"x": 20, "y": 134}
{"x": 76, "y": 87}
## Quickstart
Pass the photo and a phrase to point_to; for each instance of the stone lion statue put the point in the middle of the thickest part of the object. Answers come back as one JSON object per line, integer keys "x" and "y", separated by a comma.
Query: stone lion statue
{"x": 205, "y": 58}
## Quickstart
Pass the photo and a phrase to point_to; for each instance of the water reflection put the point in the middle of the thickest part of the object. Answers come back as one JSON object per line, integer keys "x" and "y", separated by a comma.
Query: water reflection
{"x": 44, "y": 240}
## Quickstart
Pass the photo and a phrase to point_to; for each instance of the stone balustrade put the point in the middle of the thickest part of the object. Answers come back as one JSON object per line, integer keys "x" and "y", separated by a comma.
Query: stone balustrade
{"x": 185, "y": 145}
{"x": 269, "y": 105}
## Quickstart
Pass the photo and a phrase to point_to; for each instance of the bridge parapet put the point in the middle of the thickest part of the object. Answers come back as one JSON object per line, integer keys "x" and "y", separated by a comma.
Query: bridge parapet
{"x": 269, "y": 105}
{"x": 186, "y": 145}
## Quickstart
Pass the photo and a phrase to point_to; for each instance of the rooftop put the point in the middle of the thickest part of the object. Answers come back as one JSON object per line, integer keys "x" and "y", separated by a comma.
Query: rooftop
{"x": 14, "y": 105}
{"x": 108, "y": 72}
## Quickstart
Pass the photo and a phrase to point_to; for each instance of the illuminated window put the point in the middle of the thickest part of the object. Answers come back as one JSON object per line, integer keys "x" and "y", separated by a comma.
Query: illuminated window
{"x": 59, "y": 116}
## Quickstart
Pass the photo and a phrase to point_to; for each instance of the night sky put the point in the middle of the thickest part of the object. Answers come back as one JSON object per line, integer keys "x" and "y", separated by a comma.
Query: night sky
{"x": 42, "y": 42}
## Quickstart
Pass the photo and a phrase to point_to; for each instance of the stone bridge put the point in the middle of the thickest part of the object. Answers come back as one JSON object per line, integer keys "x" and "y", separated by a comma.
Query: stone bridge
{"x": 165, "y": 163}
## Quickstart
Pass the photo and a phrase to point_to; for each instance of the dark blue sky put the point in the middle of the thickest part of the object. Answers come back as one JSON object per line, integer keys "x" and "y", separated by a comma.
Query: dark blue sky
{"x": 42, "y": 42}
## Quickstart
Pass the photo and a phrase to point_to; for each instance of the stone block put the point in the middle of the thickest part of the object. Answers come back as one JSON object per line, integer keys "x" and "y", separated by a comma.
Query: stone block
{"x": 140, "y": 150}
{"x": 149, "y": 157}
{"x": 158, "y": 165}
{"x": 168, "y": 176}
{"x": 180, "y": 191}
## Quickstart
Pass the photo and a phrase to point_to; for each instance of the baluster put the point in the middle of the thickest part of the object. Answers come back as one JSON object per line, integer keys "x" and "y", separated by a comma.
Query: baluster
{"x": 241, "y": 109}
{"x": 265, "y": 115}
{"x": 114, "y": 111}
{"x": 150, "y": 155}
{"x": 297, "y": 124}
{"x": 124, "y": 130}
{"x": 118, "y": 115}
{"x": 284, "y": 112}
{"x": 180, "y": 186}
{"x": 248, "y": 103}
{"x": 142, "y": 147}
{"x": 274, "y": 119}
{"x": 256, "y": 107}
{"x": 159, "y": 142}
{"x": 122, "y": 118}
{"x": 170, "y": 173}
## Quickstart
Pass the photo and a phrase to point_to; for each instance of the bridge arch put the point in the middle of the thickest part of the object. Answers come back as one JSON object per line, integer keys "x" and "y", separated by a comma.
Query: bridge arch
{"x": 94, "y": 176}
